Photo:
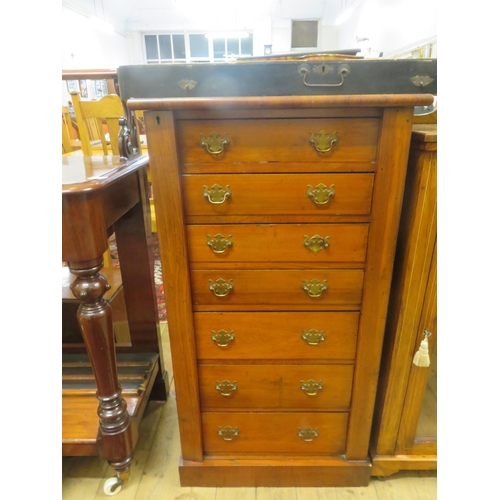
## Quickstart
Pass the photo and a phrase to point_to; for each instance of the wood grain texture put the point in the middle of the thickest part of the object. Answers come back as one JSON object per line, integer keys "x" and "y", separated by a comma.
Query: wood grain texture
{"x": 414, "y": 254}
{"x": 272, "y": 102}
{"x": 267, "y": 244}
{"x": 265, "y": 290}
{"x": 387, "y": 200}
{"x": 387, "y": 465}
{"x": 276, "y": 387}
{"x": 274, "y": 335}
{"x": 171, "y": 236}
{"x": 270, "y": 140}
{"x": 155, "y": 476}
{"x": 268, "y": 194}
{"x": 417, "y": 382}
{"x": 275, "y": 433}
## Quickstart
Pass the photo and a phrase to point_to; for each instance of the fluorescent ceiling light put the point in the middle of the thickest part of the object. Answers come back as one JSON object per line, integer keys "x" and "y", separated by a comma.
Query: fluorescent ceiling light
{"x": 344, "y": 16}
{"x": 228, "y": 34}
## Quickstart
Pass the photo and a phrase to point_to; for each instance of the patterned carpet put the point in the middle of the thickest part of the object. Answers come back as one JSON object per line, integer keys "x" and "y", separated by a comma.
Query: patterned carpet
{"x": 160, "y": 295}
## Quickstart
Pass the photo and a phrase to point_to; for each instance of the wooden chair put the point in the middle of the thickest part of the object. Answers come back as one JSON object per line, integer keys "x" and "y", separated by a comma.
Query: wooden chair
{"x": 90, "y": 117}
{"x": 69, "y": 137}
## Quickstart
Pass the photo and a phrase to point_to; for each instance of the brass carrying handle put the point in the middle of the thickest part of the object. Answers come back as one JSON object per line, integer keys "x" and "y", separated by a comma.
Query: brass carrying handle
{"x": 316, "y": 243}
{"x": 219, "y": 244}
{"x": 313, "y": 337}
{"x": 314, "y": 288}
{"x": 223, "y": 338}
{"x": 307, "y": 434}
{"x": 221, "y": 287}
{"x": 324, "y": 70}
{"x": 216, "y": 195}
{"x": 322, "y": 141}
{"x": 228, "y": 433}
{"x": 225, "y": 387}
{"x": 320, "y": 194}
{"x": 214, "y": 143}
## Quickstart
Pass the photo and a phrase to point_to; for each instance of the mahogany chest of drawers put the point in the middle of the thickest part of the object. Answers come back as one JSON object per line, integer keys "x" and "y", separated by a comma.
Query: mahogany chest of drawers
{"x": 277, "y": 220}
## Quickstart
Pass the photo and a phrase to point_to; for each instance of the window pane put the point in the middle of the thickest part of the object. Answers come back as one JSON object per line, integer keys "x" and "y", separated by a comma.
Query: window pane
{"x": 151, "y": 47}
{"x": 247, "y": 45}
{"x": 165, "y": 47}
{"x": 233, "y": 46}
{"x": 219, "y": 48}
{"x": 179, "y": 47}
{"x": 199, "y": 45}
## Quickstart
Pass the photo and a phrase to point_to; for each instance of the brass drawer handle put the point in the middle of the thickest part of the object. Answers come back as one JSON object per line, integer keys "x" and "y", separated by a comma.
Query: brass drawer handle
{"x": 219, "y": 244}
{"x": 313, "y": 337}
{"x": 221, "y": 287}
{"x": 228, "y": 433}
{"x": 225, "y": 387}
{"x": 314, "y": 288}
{"x": 216, "y": 195}
{"x": 223, "y": 338}
{"x": 214, "y": 143}
{"x": 316, "y": 243}
{"x": 320, "y": 195}
{"x": 322, "y": 141}
{"x": 307, "y": 434}
{"x": 311, "y": 387}
{"x": 323, "y": 70}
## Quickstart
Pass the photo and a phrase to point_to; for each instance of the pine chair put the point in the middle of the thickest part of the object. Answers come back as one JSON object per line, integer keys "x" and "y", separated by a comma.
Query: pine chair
{"x": 89, "y": 118}
{"x": 69, "y": 140}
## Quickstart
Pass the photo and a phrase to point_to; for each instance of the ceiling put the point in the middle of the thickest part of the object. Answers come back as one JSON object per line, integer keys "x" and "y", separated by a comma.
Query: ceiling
{"x": 140, "y": 14}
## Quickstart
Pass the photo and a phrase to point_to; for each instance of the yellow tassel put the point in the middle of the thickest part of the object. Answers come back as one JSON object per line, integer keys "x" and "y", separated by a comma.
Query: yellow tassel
{"x": 421, "y": 357}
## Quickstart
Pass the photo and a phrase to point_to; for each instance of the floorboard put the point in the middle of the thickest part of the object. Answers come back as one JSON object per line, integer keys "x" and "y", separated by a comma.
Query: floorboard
{"x": 155, "y": 476}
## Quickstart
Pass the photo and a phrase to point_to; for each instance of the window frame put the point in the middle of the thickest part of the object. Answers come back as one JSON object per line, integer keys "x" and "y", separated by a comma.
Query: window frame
{"x": 210, "y": 59}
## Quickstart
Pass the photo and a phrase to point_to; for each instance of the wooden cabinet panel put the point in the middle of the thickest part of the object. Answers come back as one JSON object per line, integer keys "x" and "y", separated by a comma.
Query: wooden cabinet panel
{"x": 276, "y": 386}
{"x": 275, "y": 433}
{"x": 267, "y": 244}
{"x": 278, "y": 140}
{"x": 269, "y": 194}
{"x": 413, "y": 305}
{"x": 270, "y": 335}
{"x": 264, "y": 290}
{"x": 265, "y": 187}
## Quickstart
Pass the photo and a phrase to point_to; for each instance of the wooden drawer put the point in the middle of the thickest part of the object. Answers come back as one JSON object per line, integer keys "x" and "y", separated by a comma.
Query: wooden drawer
{"x": 269, "y": 335}
{"x": 275, "y": 243}
{"x": 272, "y": 289}
{"x": 272, "y": 194}
{"x": 274, "y": 432}
{"x": 279, "y": 140}
{"x": 275, "y": 386}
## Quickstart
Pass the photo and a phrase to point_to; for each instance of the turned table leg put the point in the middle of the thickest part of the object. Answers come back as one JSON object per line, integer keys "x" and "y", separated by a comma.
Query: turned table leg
{"x": 117, "y": 435}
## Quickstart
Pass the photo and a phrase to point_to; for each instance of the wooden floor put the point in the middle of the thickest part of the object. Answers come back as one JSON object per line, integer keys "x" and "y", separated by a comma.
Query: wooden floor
{"x": 154, "y": 474}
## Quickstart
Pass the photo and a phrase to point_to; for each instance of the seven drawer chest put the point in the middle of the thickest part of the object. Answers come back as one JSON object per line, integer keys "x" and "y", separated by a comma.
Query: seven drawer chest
{"x": 277, "y": 219}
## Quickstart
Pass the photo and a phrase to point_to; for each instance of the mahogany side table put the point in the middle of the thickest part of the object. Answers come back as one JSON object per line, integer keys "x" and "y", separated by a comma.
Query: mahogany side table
{"x": 102, "y": 195}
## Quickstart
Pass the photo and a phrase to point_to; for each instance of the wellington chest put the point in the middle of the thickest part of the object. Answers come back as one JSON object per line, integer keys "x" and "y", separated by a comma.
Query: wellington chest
{"x": 277, "y": 221}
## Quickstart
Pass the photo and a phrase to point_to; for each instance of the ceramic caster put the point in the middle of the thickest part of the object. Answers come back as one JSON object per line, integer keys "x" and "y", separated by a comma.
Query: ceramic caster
{"x": 112, "y": 486}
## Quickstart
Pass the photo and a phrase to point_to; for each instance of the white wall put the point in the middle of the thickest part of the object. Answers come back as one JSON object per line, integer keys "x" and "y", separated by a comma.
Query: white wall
{"x": 390, "y": 25}
{"x": 87, "y": 48}
{"x": 84, "y": 47}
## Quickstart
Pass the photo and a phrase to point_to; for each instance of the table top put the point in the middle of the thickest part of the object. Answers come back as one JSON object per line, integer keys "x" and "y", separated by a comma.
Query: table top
{"x": 87, "y": 173}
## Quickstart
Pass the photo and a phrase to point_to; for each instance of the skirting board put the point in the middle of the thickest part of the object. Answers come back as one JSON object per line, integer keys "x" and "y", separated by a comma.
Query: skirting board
{"x": 302, "y": 472}
{"x": 386, "y": 465}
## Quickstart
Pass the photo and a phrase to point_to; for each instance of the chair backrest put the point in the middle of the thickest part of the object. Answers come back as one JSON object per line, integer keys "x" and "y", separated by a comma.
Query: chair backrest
{"x": 66, "y": 130}
{"x": 90, "y": 116}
